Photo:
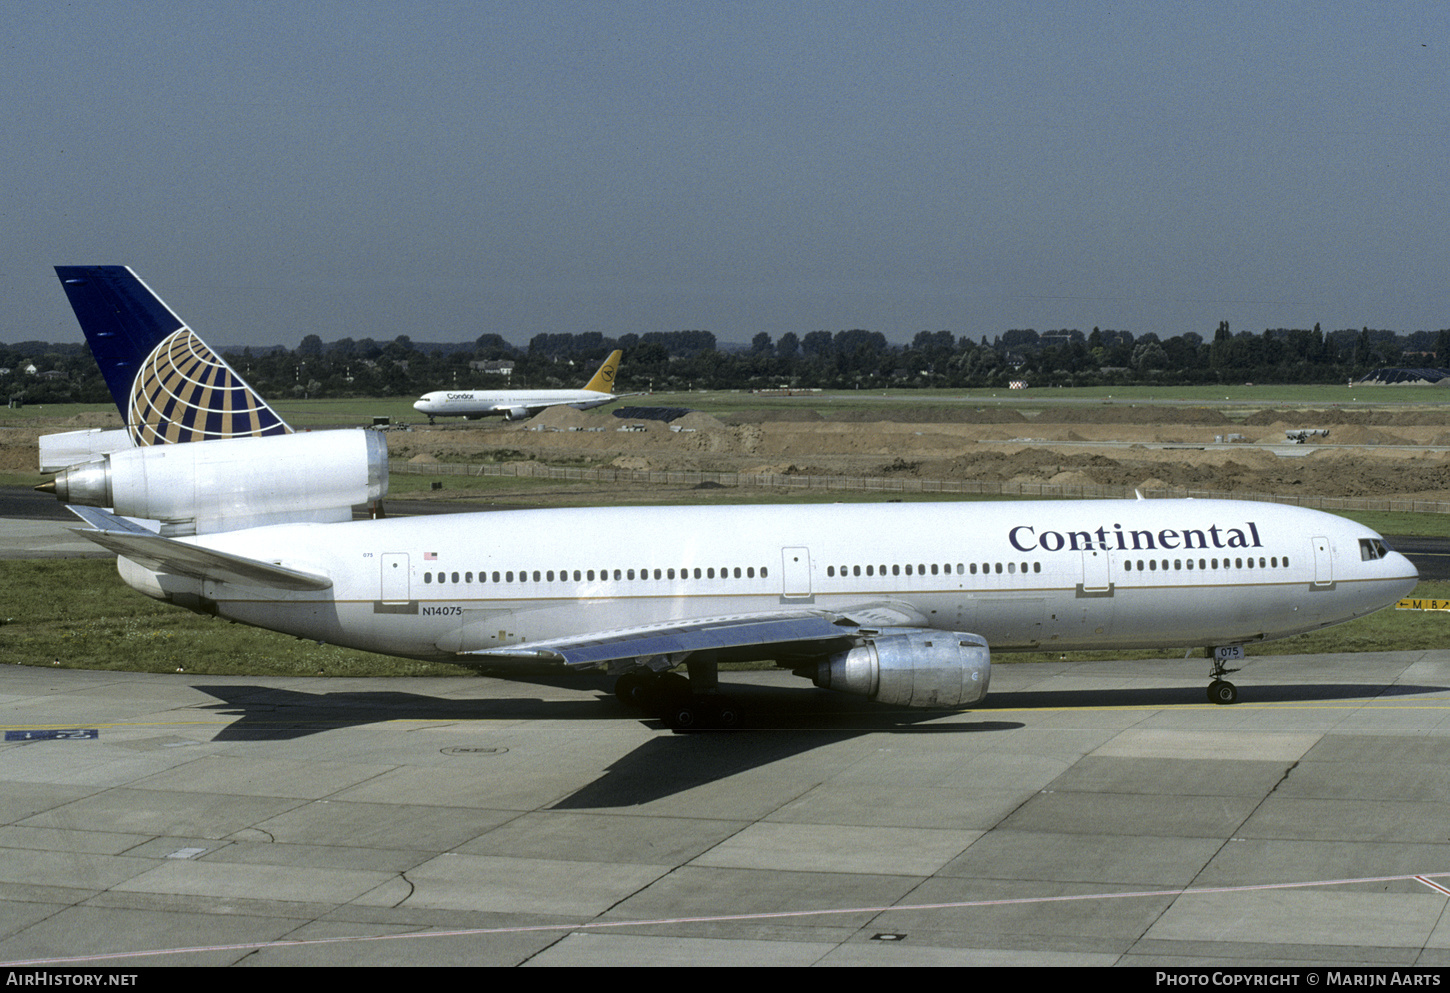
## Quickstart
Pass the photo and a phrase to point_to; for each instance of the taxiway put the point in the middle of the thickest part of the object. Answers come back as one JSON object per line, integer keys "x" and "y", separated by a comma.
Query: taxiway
{"x": 1090, "y": 814}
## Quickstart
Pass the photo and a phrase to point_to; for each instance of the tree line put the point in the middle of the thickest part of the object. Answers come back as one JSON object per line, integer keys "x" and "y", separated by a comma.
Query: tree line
{"x": 854, "y": 359}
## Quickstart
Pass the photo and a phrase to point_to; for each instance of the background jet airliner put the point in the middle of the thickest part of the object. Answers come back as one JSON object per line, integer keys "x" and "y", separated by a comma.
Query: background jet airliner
{"x": 901, "y": 603}
{"x": 517, "y": 404}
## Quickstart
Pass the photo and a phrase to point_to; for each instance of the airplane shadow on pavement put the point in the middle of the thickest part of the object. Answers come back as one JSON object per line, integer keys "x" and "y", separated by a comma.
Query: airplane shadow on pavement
{"x": 779, "y": 724}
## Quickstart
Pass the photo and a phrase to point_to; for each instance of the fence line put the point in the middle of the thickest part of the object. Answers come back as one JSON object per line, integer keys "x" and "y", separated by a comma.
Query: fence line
{"x": 873, "y": 484}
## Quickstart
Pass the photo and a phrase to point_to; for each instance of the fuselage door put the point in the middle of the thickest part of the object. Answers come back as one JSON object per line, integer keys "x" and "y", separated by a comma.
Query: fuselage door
{"x": 395, "y": 584}
{"x": 795, "y": 572}
{"x": 1096, "y": 576}
{"x": 1323, "y": 562}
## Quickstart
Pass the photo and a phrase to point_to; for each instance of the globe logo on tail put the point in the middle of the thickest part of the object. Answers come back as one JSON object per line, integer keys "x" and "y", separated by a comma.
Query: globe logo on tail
{"x": 185, "y": 392}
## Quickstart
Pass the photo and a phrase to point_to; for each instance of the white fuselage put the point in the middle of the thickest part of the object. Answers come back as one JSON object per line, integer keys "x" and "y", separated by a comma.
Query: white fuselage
{"x": 1111, "y": 574}
{"x": 506, "y": 403}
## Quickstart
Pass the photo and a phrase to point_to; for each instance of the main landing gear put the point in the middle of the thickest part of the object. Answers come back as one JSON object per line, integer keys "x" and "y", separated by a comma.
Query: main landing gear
{"x": 671, "y": 697}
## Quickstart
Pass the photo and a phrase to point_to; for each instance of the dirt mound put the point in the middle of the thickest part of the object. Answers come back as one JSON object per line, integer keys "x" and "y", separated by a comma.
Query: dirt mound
{"x": 1090, "y": 444}
{"x": 1325, "y": 417}
{"x": 1152, "y": 446}
{"x": 1306, "y": 418}
{"x": 564, "y": 418}
{"x": 1358, "y": 434}
{"x": 20, "y": 450}
{"x": 1130, "y": 413}
{"x": 799, "y": 414}
{"x": 108, "y": 419}
{"x": 696, "y": 421}
{"x": 1406, "y": 418}
{"x": 907, "y": 414}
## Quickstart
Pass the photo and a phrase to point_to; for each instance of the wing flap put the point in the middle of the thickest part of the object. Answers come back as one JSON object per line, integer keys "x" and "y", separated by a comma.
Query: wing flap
{"x": 180, "y": 558}
{"x": 678, "y": 638}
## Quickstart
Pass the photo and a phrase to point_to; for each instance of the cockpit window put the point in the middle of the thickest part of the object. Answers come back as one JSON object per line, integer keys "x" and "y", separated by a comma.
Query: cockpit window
{"x": 1371, "y": 549}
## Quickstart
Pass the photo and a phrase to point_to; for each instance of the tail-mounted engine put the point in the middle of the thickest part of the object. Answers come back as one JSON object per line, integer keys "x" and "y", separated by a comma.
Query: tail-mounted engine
{"x": 912, "y": 668}
{"x": 203, "y": 487}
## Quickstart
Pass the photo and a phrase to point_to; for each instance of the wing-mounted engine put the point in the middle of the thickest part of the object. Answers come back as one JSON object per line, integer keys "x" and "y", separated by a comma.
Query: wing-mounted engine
{"x": 912, "y": 667}
{"x": 209, "y": 486}
{"x": 515, "y": 413}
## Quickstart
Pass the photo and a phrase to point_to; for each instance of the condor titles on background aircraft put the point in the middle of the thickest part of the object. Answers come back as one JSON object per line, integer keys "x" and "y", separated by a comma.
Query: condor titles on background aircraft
{"x": 515, "y": 405}
{"x": 900, "y": 603}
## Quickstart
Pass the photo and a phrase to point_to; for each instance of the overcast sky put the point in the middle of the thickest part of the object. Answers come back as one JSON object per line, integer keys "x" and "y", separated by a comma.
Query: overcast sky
{"x": 445, "y": 170}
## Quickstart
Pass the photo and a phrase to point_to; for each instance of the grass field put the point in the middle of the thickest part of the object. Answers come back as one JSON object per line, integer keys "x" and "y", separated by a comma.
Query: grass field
{"x": 1237, "y": 398}
{"x": 1234, "y": 400}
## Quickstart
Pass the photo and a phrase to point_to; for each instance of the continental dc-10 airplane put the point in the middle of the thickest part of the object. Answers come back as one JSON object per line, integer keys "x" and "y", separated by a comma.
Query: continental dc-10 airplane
{"x": 899, "y": 603}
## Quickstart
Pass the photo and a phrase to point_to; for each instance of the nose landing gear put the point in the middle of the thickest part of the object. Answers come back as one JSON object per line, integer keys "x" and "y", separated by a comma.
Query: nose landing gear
{"x": 1220, "y": 690}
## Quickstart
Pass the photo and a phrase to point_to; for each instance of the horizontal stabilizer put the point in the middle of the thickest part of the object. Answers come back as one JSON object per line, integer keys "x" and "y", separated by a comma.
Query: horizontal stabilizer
{"x": 699, "y": 634}
{"x": 61, "y": 451}
{"x": 180, "y": 558}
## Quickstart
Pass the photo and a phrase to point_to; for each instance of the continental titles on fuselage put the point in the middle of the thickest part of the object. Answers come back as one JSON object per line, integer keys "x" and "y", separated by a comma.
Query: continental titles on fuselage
{"x": 1025, "y": 538}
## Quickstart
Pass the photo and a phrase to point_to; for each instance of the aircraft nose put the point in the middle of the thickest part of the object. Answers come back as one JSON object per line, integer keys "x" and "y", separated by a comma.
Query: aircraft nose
{"x": 1399, "y": 558}
{"x": 1410, "y": 567}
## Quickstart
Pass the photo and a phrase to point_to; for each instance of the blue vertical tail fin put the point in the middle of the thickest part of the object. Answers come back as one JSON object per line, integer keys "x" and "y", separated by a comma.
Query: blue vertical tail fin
{"x": 169, "y": 386}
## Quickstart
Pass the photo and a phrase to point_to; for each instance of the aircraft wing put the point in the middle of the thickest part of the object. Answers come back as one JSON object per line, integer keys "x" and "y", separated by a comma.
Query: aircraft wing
{"x": 744, "y": 635}
{"x": 149, "y": 549}
{"x": 736, "y": 637}
{"x": 591, "y": 404}
{"x": 587, "y": 404}
{"x": 520, "y": 411}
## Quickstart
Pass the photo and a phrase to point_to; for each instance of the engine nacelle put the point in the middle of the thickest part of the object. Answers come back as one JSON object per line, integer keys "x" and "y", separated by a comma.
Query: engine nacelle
{"x": 912, "y": 667}
{"x": 203, "y": 487}
{"x": 516, "y": 413}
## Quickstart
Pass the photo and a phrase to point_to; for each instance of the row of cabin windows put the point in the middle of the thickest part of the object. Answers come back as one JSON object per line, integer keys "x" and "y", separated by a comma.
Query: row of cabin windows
{"x": 589, "y": 575}
{"x": 1151, "y": 565}
{"x": 933, "y": 569}
{"x": 920, "y": 569}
